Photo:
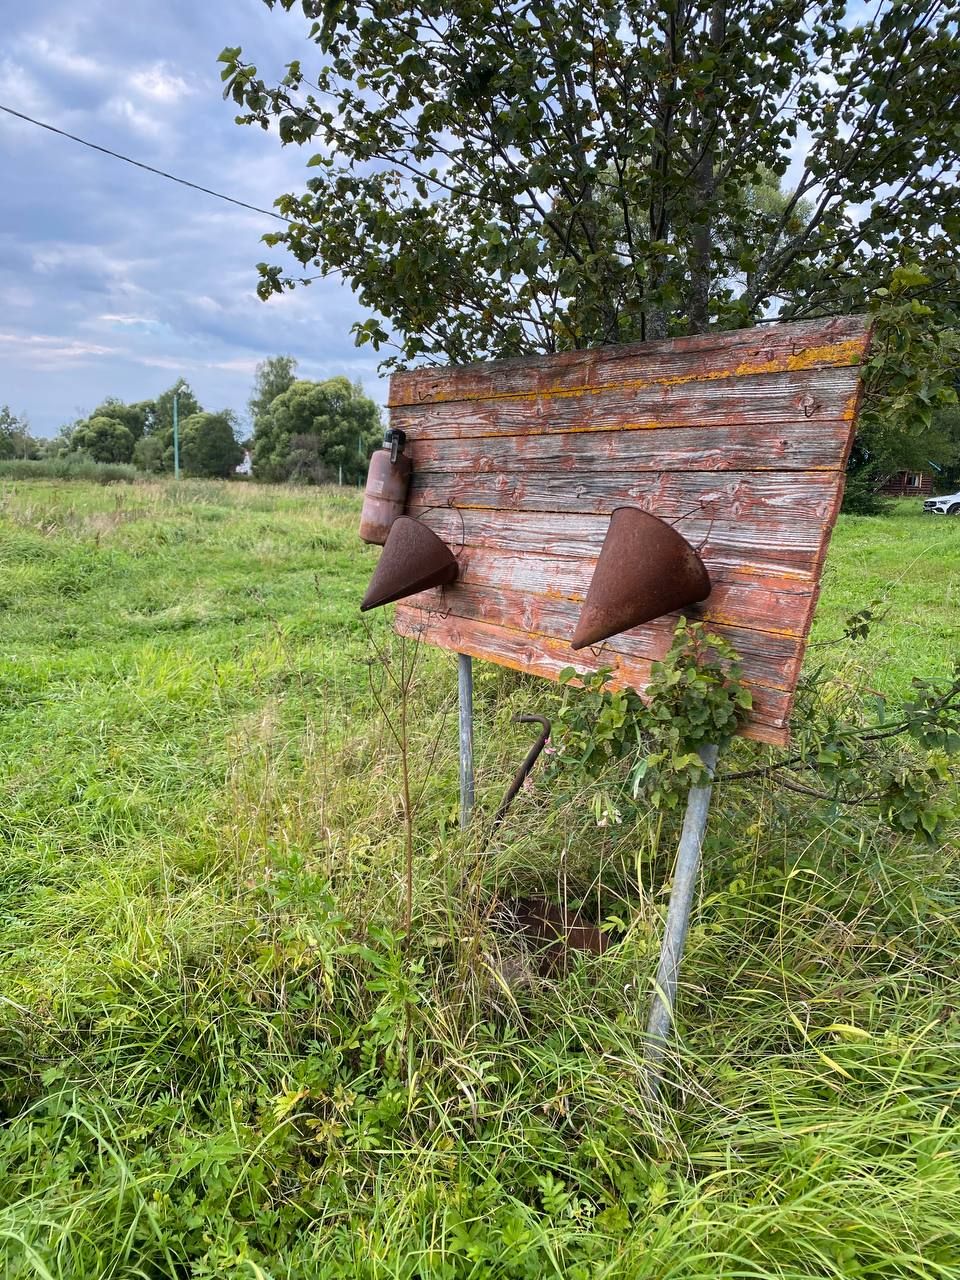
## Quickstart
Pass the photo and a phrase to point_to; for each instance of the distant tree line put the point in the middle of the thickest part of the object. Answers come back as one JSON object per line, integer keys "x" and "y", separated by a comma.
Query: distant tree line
{"x": 324, "y": 432}
{"x": 142, "y": 433}
{"x": 303, "y": 432}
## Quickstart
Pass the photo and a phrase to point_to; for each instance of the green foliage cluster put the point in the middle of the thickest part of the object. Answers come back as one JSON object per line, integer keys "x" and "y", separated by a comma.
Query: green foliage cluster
{"x": 208, "y": 445}
{"x": 855, "y": 753}
{"x": 15, "y": 438}
{"x": 909, "y": 419}
{"x": 273, "y": 377}
{"x": 316, "y": 433}
{"x": 696, "y": 696}
{"x": 494, "y": 180}
{"x": 851, "y": 748}
{"x": 220, "y": 1056}
{"x": 103, "y": 439}
{"x": 110, "y": 433}
{"x": 142, "y": 434}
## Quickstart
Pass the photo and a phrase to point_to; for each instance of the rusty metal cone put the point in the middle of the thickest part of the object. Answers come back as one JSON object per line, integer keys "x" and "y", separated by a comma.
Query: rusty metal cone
{"x": 413, "y": 559}
{"x": 646, "y": 569}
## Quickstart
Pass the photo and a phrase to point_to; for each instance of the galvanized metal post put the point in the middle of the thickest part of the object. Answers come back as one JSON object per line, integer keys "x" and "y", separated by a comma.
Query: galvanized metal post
{"x": 176, "y": 434}
{"x": 678, "y": 913}
{"x": 465, "y": 690}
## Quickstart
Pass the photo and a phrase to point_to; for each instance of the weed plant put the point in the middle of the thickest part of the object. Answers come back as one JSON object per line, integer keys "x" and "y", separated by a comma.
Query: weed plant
{"x": 222, "y": 1056}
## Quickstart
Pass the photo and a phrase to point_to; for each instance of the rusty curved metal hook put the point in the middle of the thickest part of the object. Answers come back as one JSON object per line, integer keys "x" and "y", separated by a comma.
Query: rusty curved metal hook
{"x": 532, "y": 757}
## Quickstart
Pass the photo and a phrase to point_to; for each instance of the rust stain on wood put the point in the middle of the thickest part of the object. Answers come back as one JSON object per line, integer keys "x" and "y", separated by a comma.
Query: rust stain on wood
{"x": 741, "y": 438}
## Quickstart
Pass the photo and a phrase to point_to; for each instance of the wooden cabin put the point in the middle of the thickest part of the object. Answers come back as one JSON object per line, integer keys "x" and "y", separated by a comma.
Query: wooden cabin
{"x": 908, "y": 484}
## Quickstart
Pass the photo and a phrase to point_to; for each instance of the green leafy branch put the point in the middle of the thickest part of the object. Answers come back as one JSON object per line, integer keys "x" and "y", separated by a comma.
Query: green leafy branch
{"x": 695, "y": 696}
{"x": 903, "y": 765}
{"x": 913, "y": 360}
{"x": 854, "y": 763}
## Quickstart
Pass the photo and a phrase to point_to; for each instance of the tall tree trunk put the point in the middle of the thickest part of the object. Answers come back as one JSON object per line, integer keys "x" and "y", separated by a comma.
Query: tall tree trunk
{"x": 701, "y": 248}
{"x": 655, "y": 314}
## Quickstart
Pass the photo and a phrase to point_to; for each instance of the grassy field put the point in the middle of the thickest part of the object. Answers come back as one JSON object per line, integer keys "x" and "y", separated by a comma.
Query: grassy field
{"x": 220, "y": 1058}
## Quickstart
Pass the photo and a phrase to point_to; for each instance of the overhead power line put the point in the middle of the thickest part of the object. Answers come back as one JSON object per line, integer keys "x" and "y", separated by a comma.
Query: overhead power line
{"x": 172, "y": 177}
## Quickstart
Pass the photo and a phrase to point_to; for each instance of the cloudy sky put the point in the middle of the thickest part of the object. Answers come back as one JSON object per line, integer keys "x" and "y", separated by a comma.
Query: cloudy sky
{"x": 117, "y": 282}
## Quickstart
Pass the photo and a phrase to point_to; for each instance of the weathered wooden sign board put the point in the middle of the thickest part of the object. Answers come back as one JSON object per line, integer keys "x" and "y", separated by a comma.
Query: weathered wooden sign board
{"x": 740, "y": 438}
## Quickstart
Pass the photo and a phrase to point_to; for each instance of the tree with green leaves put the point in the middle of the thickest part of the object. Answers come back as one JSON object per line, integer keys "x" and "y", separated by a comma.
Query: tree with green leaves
{"x": 273, "y": 376}
{"x": 137, "y": 418}
{"x": 104, "y": 439}
{"x": 153, "y": 448}
{"x": 160, "y": 421}
{"x": 495, "y": 178}
{"x": 149, "y": 453}
{"x": 946, "y": 423}
{"x": 15, "y": 438}
{"x": 315, "y": 432}
{"x": 208, "y": 445}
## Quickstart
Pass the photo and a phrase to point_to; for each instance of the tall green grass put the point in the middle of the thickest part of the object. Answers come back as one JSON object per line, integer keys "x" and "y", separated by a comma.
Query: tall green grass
{"x": 69, "y": 467}
{"x": 220, "y": 1056}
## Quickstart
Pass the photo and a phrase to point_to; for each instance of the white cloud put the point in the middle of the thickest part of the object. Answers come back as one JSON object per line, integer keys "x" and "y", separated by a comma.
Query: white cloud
{"x": 66, "y": 61}
{"x": 164, "y": 362}
{"x": 15, "y": 297}
{"x": 114, "y": 270}
{"x": 159, "y": 84}
{"x": 47, "y": 351}
{"x": 147, "y": 326}
{"x": 128, "y": 113}
{"x": 23, "y": 93}
{"x": 184, "y": 364}
{"x": 239, "y": 365}
{"x": 123, "y": 320}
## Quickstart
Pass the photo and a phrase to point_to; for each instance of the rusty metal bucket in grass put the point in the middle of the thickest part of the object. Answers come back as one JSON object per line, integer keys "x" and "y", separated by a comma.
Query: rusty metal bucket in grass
{"x": 413, "y": 559}
{"x": 645, "y": 569}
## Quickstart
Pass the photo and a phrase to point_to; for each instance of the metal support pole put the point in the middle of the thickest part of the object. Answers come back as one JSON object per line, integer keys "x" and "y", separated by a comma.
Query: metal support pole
{"x": 465, "y": 690}
{"x": 678, "y": 913}
{"x": 176, "y": 435}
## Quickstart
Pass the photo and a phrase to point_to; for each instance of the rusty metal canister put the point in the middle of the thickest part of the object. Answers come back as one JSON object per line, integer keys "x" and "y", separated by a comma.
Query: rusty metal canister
{"x": 388, "y": 480}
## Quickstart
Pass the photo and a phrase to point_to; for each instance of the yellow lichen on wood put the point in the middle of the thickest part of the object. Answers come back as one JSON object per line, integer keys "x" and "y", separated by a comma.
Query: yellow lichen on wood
{"x": 835, "y": 355}
{"x": 840, "y": 354}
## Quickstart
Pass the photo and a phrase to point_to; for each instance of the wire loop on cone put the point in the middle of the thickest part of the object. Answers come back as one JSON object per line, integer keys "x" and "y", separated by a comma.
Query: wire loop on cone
{"x": 413, "y": 559}
{"x": 645, "y": 569}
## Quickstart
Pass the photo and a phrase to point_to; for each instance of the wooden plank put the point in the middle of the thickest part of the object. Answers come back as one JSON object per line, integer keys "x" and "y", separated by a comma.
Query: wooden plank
{"x": 575, "y": 535}
{"x": 773, "y": 401}
{"x": 758, "y": 604}
{"x": 747, "y": 446}
{"x": 741, "y": 510}
{"x": 768, "y": 658}
{"x": 809, "y": 345}
{"x": 545, "y": 657}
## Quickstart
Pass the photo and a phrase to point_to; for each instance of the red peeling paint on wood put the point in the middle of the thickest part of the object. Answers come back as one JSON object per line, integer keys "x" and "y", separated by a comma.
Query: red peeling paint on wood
{"x": 740, "y": 438}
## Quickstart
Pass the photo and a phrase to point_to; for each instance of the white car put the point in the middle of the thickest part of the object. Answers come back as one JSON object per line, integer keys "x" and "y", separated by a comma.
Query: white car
{"x": 948, "y": 505}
